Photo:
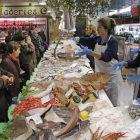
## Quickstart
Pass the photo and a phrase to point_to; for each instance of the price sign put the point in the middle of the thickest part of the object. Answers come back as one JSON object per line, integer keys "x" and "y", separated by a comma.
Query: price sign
{"x": 36, "y": 119}
{"x": 135, "y": 127}
{"x": 135, "y": 10}
{"x": 45, "y": 99}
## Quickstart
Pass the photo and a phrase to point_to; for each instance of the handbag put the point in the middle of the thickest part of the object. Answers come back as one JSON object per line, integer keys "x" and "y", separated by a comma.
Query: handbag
{"x": 41, "y": 49}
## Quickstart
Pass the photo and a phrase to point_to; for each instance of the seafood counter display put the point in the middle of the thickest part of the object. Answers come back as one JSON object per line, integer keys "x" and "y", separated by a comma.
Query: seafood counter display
{"x": 55, "y": 106}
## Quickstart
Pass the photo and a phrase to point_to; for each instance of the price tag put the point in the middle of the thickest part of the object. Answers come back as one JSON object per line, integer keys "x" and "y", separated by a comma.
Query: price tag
{"x": 45, "y": 99}
{"x": 37, "y": 119}
{"x": 73, "y": 65}
{"x": 135, "y": 127}
{"x": 69, "y": 92}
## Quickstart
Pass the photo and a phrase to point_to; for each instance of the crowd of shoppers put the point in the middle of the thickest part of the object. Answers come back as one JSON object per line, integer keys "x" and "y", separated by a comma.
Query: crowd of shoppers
{"x": 20, "y": 55}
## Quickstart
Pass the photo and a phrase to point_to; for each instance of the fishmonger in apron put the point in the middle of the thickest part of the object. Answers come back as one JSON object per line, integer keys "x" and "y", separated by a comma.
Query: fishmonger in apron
{"x": 113, "y": 86}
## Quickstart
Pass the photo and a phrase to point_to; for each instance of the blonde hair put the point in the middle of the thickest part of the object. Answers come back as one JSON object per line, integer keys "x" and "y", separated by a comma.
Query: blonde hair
{"x": 108, "y": 23}
{"x": 26, "y": 36}
{"x": 12, "y": 45}
{"x": 93, "y": 28}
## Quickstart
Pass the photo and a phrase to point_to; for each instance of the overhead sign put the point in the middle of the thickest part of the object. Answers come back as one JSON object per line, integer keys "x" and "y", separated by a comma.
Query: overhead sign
{"x": 24, "y": 11}
{"x": 135, "y": 10}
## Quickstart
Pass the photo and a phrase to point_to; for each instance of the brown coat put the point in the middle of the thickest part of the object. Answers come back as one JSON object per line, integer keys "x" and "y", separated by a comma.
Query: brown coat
{"x": 31, "y": 56}
{"x": 11, "y": 66}
{"x": 3, "y": 101}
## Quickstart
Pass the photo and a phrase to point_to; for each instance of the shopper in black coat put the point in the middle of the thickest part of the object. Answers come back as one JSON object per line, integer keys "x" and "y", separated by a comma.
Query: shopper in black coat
{"x": 23, "y": 59}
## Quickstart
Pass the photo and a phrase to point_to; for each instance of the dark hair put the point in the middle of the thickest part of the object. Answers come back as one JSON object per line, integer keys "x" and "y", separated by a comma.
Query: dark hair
{"x": 12, "y": 45}
{"x": 108, "y": 23}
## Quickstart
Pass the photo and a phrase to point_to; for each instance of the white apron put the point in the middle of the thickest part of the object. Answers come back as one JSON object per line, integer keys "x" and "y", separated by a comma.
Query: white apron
{"x": 114, "y": 84}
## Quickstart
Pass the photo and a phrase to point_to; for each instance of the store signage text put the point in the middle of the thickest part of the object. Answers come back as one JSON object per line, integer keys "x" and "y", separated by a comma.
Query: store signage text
{"x": 23, "y": 11}
{"x": 135, "y": 11}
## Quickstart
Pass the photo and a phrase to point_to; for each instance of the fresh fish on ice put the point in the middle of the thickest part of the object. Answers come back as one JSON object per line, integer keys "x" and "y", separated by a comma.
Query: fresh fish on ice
{"x": 48, "y": 135}
{"x": 34, "y": 136}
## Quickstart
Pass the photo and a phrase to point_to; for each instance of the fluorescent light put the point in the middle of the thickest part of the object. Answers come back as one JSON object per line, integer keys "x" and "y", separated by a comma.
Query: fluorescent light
{"x": 42, "y": 2}
{"x": 22, "y": 19}
{"x": 125, "y": 9}
{"x": 31, "y": 19}
{"x": 113, "y": 12}
{"x": 1, "y": 18}
{"x": 10, "y": 19}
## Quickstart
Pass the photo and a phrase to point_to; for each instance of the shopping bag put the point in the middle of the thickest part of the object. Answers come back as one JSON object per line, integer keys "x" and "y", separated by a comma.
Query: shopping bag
{"x": 125, "y": 95}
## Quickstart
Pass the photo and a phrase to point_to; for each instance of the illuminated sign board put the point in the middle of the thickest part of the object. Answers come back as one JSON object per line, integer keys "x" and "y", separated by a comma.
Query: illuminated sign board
{"x": 135, "y": 10}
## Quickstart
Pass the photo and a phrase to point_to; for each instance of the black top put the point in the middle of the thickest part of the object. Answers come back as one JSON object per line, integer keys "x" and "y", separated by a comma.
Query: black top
{"x": 110, "y": 52}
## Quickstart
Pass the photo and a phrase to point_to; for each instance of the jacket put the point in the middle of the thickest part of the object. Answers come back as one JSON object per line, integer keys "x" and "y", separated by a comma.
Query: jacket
{"x": 110, "y": 52}
{"x": 9, "y": 65}
{"x": 31, "y": 56}
{"x": 23, "y": 63}
{"x": 3, "y": 101}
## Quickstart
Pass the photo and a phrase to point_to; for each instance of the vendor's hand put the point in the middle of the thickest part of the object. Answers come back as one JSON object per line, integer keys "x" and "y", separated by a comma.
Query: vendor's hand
{"x": 10, "y": 80}
{"x": 84, "y": 51}
{"x": 133, "y": 78}
{"x": 74, "y": 39}
{"x": 120, "y": 65}
{"x": 22, "y": 72}
{"x": 134, "y": 50}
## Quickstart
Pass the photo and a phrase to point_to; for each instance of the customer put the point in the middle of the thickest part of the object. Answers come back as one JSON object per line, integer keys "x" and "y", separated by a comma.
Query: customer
{"x": 23, "y": 59}
{"x": 104, "y": 49}
{"x": 6, "y": 79}
{"x": 39, "y": 46}
{"x": 8, "y": 38}
{"x": 10, "y": 63}
{"x": 31, "y": 55}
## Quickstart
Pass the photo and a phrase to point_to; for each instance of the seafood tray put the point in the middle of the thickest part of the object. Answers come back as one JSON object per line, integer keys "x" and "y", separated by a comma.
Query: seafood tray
{"x": 67, "y": 55}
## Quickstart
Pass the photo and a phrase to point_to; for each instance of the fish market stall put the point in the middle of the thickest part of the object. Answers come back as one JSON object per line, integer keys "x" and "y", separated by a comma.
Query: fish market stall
{"x": 54, "y": 105}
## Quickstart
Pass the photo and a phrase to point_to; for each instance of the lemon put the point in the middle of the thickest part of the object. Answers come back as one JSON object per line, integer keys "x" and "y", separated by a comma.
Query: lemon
{"x": 68, "y": 61}
{"x": 59, "y": 75}
{"x": 84, "y": 114}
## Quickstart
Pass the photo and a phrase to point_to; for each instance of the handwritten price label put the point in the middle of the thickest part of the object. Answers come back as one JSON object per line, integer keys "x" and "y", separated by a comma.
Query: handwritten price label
{"x": 37, "y": 119}
{"x": 135, "y": 127}
{"x": 45, "y": 99}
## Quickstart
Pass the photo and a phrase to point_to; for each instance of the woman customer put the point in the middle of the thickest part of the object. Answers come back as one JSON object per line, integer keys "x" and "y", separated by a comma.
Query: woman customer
{"x": 104, "y": 49}
{"x": 31, "y": 55}
{"x": 6, "y": 79}
{"x": 39, "y": 46}
{"x": 10, "y": 63}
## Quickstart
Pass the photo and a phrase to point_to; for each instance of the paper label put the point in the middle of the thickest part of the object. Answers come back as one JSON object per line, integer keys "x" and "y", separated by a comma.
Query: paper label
{"x": 73, "y": 65}
{"x": 45, "y": 99}
{"x": 37, "y": 119}
{"x": 69, "y": 92}
{"x": 135, "y": 127}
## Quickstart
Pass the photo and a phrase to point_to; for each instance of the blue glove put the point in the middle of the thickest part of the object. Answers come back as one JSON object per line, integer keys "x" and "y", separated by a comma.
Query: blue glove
{"x": 74, "y": 39}
{"x": 134, "y": 78}
{"x": 134, "y": 50}
{"x": 84, "y": 51}
{"x": 120, "y": 64}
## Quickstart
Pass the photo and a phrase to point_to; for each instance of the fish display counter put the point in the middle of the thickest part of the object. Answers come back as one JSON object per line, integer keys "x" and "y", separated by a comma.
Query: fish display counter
{"x": 55, "y": 106}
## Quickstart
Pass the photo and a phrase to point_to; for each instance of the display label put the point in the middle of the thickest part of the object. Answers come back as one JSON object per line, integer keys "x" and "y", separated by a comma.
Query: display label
{"x": 37, "y": 119}
{"x": 135, "y": 127}
{"x": 45, "y": 99}
{"x": 69, "y": 92}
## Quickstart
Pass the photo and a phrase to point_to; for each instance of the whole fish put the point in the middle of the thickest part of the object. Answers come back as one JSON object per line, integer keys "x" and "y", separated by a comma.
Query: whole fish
{"x": 74, "y": 132}
{"x": 48, "y": 135}
{"x": 25, "y": 135}
{"x": 71, "y": 124}
{"x": 35, "y": 136}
